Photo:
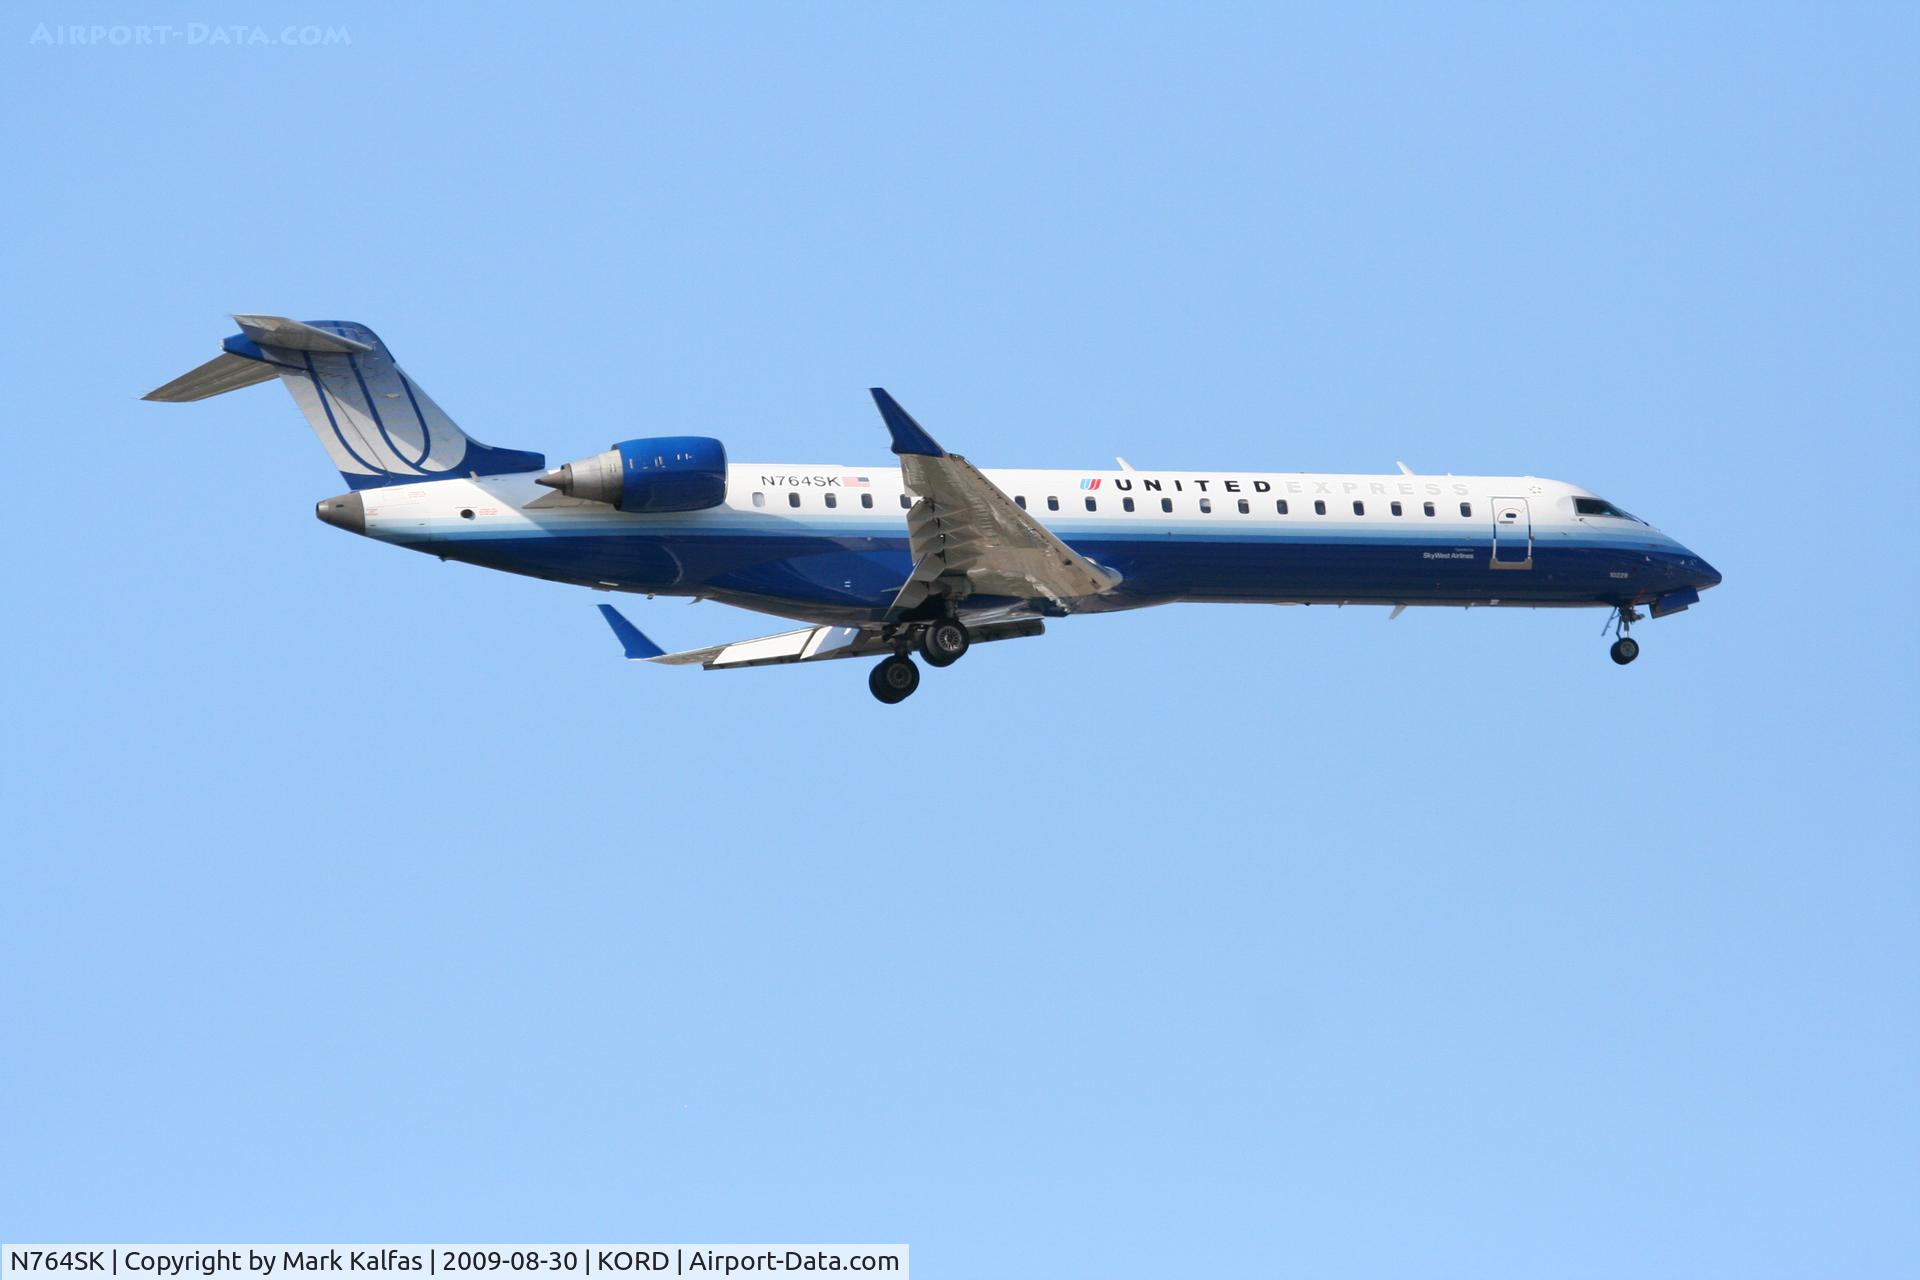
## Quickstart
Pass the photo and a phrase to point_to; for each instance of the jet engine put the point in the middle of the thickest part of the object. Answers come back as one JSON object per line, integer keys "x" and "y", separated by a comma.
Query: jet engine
{"x": 659, "y": 474}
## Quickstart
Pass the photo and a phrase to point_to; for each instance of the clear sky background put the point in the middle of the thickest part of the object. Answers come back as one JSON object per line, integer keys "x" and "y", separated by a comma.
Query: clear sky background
{"x": 350, "y": 895}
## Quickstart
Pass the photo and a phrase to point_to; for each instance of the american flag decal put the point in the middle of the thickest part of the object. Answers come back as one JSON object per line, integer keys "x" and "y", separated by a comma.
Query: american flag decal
{"x": 853, "y": 482}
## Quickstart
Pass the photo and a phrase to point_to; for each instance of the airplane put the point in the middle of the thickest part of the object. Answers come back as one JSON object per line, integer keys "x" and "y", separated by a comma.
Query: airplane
{"x": 939, "y": 555}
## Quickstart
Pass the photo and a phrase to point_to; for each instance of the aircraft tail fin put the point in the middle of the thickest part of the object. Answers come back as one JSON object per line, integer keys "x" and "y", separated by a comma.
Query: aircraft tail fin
{"x": 376, "y": 423}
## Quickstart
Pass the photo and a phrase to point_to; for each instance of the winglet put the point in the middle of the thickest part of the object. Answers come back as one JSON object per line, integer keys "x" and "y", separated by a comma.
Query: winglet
{"x": 908, "y": 435}
{"x": 636, "y": 645}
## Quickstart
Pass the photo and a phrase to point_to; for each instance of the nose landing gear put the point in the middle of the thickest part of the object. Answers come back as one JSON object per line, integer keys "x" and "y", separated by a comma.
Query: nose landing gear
{"x": 1624, "y": 648}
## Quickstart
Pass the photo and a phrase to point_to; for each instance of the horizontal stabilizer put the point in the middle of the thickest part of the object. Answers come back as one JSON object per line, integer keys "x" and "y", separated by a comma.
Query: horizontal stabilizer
{"x": 291, "y": 335}
{"x": 225, "y": 372}
{"x": 379, "y": 426}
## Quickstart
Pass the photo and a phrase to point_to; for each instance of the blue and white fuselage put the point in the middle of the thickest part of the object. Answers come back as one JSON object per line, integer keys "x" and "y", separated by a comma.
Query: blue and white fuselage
{"x": 930, "y": 552}
{"x": 777, "y": 546}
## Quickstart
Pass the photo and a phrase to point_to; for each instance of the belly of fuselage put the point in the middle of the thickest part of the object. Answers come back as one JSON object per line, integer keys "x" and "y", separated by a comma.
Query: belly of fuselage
{"x": 842, "y": 578}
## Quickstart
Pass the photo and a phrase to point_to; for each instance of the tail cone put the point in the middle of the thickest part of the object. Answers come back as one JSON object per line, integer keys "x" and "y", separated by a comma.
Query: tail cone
{"x": 348, "y": 511}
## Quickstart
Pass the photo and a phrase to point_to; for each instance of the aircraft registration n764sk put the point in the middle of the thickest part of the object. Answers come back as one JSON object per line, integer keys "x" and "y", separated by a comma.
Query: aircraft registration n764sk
{"x": 936, "y": 555}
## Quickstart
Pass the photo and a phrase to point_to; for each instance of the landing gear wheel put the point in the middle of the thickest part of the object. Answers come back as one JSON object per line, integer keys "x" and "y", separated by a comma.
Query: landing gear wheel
{"x": 943, "y": 643}
{"x": 1624, "y": 650}
{"x": 894, "y": 680}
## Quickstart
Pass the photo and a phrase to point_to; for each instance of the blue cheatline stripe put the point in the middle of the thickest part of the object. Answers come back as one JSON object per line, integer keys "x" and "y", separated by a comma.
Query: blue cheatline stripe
{"x": 353, "y": 363}
{"x": 321, "y": 390}
{"x": 794, "y": 541}
{"x": 426, "y": 432}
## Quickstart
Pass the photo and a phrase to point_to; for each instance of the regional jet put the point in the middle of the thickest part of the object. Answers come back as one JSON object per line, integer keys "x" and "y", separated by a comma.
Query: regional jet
{"x": 934, "y": 555}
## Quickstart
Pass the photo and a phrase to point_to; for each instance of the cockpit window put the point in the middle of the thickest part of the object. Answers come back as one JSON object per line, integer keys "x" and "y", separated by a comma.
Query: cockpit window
{"x": 1601, "y": 507}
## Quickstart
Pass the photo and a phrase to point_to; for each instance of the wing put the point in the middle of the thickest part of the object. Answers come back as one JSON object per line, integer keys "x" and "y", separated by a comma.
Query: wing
{"x": 809, "y": 644}
{"x": 968, "y": 538}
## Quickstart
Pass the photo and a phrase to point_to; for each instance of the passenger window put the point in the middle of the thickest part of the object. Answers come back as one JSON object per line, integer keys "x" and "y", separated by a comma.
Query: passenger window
{"x": 1206, "y": 506}
{"x": 793, "y": 498}
{"x": 1093, "y": 504}
{"x": 1126, "y": 504}
{"x": 1359, "y": 508}
{"x": 1319, "y": 506}
{"x": 1466, "y": 509}
{"x": 1245, "y": 509}
{"x": 1020, "y": 501}
{"x": 833, "y": 500}
{"x": 866, "y": 500}
{"x": 759, "y": 499}
{"x": 1053, "y": 504}
{"x": 1281, "y": 506}
{"x": 1429, "y": 507}
{"x": 1396, "y": 509}
{"x": 1166, "y": 504}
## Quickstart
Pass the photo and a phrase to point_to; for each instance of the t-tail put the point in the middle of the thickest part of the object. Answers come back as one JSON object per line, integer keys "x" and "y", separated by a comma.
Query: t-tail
{"x": 377, "y": 424}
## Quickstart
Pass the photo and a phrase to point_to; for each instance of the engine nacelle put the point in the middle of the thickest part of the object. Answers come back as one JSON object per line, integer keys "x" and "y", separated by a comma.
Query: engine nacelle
{"x": 662, "y": 473}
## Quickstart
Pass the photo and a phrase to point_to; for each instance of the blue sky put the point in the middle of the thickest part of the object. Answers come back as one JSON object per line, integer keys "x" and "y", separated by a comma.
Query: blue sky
{"x": 350, "y": 895}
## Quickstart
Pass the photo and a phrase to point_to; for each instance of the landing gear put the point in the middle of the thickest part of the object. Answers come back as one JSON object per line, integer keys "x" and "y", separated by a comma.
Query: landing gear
{"x": 943, "y": 643}
{"x": 1625, "y": 648}
{"x": 895, "y": 679}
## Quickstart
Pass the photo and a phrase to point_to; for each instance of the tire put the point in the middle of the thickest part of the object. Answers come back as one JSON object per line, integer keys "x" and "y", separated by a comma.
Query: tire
{"x": 944, "y": 643}
{"x": 894, "y": 680}
{"x": 1624, "y": 650}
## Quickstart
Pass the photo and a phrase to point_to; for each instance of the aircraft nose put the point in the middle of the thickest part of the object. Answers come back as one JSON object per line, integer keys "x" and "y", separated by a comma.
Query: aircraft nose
{"x": 348, "y": 511}
{"x": 1694, "y": 571}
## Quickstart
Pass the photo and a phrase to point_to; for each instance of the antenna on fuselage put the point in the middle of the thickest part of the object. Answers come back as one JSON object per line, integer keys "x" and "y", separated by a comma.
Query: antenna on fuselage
{"x": 1405, "y": 470}
{"x": 1124, "y": 464}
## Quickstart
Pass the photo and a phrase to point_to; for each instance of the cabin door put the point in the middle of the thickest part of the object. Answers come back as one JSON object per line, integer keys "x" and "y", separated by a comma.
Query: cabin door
{"x": 1512, "y": 534}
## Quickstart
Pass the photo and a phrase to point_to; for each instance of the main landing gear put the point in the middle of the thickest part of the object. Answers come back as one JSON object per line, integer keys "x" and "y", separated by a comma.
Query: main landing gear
{"x": 942, "y": 643}
{"x": 895, "y": 679}
{"x": 1625, "y": 648}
